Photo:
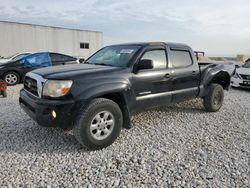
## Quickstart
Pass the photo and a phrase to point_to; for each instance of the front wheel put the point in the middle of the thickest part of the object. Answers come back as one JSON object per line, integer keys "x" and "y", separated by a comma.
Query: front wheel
{"x": 213, "y": 100}
{"x": 98, "y": 124}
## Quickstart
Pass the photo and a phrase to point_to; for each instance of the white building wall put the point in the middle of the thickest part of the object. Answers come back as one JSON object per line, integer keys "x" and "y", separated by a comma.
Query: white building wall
{"x": 17, "y": 37}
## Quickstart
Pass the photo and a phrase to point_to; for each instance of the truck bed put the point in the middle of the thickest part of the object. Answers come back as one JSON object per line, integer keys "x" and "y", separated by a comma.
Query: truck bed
{"x": 230, "y": 67}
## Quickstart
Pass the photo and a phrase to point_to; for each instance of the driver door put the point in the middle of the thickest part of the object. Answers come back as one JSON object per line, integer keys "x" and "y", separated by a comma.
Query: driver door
{"x": 152, "y": 87}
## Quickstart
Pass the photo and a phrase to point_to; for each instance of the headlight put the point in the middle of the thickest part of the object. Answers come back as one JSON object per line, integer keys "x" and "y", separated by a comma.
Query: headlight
{"x": 56, "y": 88}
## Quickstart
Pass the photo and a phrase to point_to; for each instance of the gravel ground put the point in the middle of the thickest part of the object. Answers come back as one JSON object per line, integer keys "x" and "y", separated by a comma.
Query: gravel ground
{"x": 176, "y": 146}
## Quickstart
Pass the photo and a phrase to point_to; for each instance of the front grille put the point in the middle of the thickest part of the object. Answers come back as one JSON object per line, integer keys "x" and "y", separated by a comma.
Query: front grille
{"x": 30, "y": 85}
{"x": 245, "y": 77}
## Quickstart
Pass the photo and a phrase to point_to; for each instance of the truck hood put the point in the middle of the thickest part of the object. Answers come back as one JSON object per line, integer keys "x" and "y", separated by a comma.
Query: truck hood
{"x": 242, "y": 70}
{"x": 71, "y": 71}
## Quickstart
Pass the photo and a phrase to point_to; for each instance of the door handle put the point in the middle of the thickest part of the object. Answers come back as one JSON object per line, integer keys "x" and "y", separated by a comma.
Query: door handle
{"x": 167, "y": 75}
{"x": 193, "y": 72}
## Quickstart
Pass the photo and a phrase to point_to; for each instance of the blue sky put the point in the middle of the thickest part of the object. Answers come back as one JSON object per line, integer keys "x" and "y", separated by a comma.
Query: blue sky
{"x": 219, "y": 27}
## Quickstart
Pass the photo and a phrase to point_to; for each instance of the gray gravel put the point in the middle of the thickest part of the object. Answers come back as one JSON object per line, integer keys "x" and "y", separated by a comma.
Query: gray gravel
{"x": 176, "y": 146}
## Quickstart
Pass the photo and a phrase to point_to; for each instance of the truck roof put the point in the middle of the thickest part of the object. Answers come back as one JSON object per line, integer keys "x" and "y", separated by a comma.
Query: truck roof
{"x": 170, "y": 44}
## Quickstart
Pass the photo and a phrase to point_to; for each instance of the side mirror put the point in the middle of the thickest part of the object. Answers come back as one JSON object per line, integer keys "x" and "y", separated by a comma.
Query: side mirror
{"x": 237, "y": 66}
{"x": 145, "y": 64}
{"x": 81, "y": 60}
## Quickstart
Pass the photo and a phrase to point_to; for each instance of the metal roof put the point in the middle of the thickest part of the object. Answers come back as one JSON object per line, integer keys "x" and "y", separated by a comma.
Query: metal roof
{"x": 56, "y": 27}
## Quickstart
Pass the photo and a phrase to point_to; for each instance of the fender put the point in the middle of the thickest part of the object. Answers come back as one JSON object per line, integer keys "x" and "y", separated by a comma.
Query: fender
{"x": 121, "y": 88}
{"x": 215, "y": 74}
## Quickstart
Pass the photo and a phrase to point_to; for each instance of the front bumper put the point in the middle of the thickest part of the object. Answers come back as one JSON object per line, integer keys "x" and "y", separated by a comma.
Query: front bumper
{"x": 237, "y": 82}
{"x": 40, "y": 110}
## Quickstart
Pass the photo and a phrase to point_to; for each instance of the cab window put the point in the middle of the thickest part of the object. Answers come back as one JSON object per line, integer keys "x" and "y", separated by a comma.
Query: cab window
{"x": 158, "y": 57}
{"x": 180, "y": 58}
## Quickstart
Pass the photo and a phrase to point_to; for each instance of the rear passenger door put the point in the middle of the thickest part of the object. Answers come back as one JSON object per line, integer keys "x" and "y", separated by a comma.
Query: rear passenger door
{"x": 185, "y": 74}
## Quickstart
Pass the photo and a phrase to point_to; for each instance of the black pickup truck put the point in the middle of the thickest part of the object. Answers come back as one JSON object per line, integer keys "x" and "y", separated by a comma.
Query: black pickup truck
{"x": 98, "y": 98}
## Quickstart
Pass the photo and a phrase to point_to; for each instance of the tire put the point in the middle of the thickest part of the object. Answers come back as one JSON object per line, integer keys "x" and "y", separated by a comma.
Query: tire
{"x": 213, "y": 100}
{"x": 11, "y": 78}
{"x": 93, "y": 121}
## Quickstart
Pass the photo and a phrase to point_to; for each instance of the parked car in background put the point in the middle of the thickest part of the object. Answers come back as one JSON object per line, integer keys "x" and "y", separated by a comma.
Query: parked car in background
{"x": 14, "y": 71}
{"x": 241, "y": 77}
{"x": 15, "y": 57}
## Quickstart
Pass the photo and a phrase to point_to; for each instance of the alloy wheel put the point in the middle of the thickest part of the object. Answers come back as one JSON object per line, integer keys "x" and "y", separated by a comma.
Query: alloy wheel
{"x": 102, "y": 125}
{"x": 11, "y": 79}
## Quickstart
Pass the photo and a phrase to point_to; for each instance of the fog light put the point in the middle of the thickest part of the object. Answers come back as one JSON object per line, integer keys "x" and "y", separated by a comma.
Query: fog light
{"x": 53, "y": 114}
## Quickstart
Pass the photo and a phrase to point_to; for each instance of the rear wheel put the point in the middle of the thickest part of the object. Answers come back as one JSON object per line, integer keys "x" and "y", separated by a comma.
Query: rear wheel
{"x": 11, "y": 78}
{"x": 214, "y": 98}
{"x": 98, "y": 124}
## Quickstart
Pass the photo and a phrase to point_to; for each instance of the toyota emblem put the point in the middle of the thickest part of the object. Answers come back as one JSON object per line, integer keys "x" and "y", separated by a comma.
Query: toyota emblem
{"x": 29, "y": 84}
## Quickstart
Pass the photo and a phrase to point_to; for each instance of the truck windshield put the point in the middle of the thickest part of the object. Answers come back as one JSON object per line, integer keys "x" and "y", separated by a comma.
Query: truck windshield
{"x": 117, "y": 56}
